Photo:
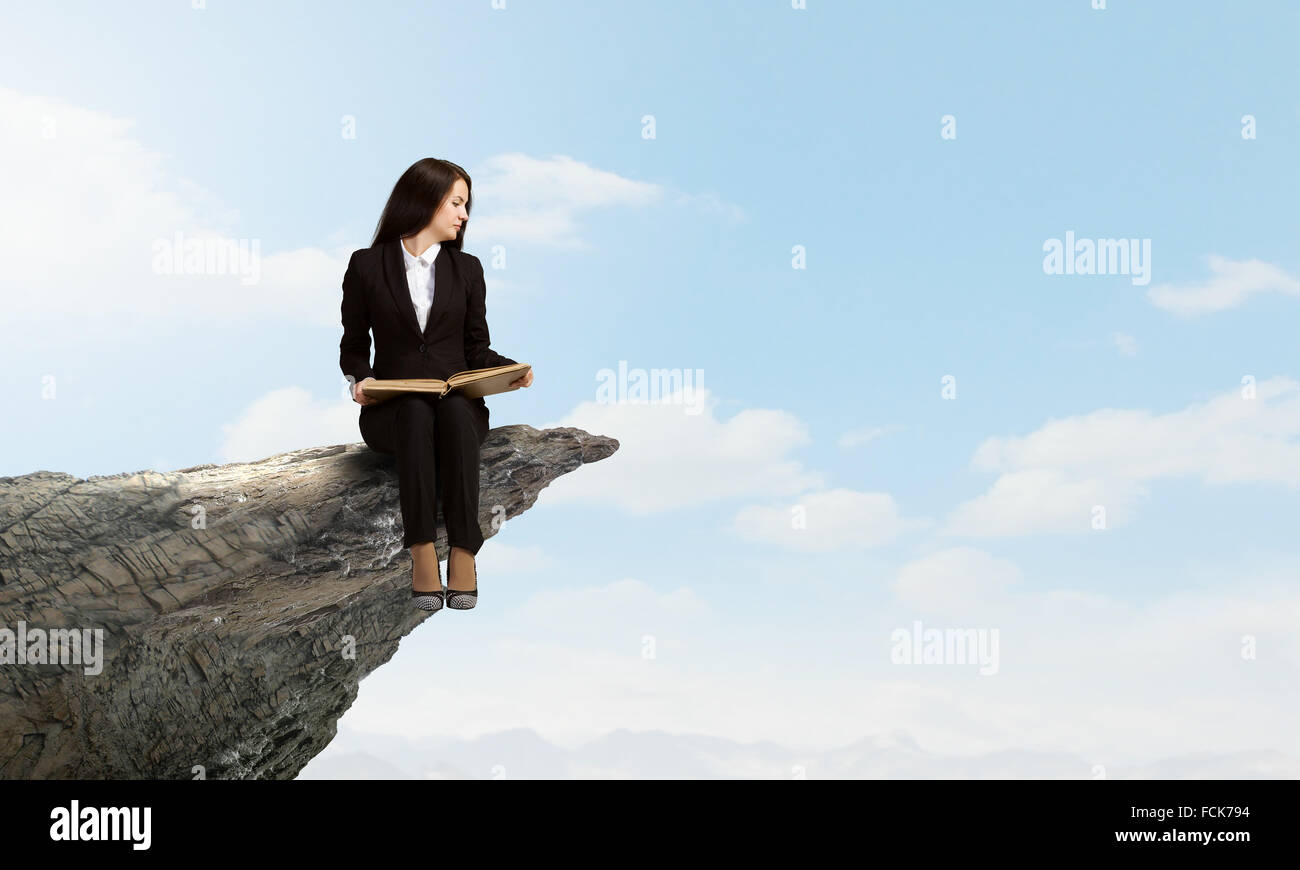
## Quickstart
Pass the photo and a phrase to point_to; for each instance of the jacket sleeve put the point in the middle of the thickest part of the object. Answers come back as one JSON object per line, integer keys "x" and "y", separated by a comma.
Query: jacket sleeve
{"x": 354, "y": 349}
{"x": 478, "y": 353}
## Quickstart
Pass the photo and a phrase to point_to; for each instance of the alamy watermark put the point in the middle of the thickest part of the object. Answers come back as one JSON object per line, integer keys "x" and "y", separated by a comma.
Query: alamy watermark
{"x": 653, "y": 387}
{"x": 947, "y": 646}
{"x": 1099, "y": 257}
{"x": 208, "y": 256}
{"x": 54, "y": 646}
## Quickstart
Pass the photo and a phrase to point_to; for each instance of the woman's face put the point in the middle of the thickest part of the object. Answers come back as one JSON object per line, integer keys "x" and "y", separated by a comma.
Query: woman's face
{"x": 449, "y": 217}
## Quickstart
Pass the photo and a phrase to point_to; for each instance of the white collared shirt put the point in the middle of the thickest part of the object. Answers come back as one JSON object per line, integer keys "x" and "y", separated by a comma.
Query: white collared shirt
{"x": 419, "y": 279}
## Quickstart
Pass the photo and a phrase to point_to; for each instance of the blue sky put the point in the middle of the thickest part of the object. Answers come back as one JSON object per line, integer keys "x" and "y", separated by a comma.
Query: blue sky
{"x": 774, "y": 128}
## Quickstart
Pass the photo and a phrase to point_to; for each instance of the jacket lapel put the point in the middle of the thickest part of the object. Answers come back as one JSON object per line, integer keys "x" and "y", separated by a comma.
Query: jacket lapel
{"x": 444, "y": 278}
{"x": 444, "y": 284}
{"x": 395, "y": 278}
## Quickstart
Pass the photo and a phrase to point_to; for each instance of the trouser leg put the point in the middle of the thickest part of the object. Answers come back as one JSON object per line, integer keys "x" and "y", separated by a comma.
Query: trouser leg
{"x": 460, "y": 430}
{"x": 405, "y": 426}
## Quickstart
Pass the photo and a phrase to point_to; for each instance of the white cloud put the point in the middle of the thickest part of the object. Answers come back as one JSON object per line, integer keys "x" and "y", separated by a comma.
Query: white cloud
{"x": 956, "y": 580}
{"x": 822, "y": 521}
{"x": 287, "y": 419}
{"x": 1051, "y": 479}
{"x": 669, "y": 458}
{"x": 593, "y": 655}
{"x": 128, "y": 199}
{"x": 858, "y": 437}
{"x": 1124, "y": 343}
{"x": 621, "y": 614}
{"x": 1234, "y": 282}
{"x": 711, "y": 203}
{"x": 1045, "y": 500}
{"x": 545, "y": 201}
{"x": 505, "y": 558}
{"x": 1079, "y": 673}
{"x": 125, "y": 199}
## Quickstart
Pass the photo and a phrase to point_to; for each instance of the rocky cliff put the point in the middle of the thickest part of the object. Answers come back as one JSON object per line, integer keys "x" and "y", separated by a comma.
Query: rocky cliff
{"x": 238, "y": 605}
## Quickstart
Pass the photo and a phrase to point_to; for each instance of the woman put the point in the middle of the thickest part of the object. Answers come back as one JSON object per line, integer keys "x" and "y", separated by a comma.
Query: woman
{"x": 424, "y": 299}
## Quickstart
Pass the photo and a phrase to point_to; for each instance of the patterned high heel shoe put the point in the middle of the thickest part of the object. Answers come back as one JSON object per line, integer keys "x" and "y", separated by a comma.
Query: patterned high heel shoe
{"x": 459, "y": 599}
{"x": 431, "y": 599}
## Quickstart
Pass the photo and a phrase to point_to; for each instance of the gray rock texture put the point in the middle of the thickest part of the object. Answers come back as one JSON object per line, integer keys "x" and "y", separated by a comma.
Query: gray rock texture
{"x": 240, "y": 605}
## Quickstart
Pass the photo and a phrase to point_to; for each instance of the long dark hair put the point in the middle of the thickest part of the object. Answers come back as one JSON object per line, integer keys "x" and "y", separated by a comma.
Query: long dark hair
{"x": 416, "y": 197}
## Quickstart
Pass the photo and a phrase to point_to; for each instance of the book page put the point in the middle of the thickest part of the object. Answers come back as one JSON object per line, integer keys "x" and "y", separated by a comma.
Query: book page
{"x": 486, "y": 382}
{"x": 387, "y": 389}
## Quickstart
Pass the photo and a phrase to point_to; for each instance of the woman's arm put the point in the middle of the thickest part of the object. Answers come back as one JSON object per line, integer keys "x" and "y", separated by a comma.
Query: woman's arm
{"x": 354, "y": 349}
{"x": 478, "y": 353}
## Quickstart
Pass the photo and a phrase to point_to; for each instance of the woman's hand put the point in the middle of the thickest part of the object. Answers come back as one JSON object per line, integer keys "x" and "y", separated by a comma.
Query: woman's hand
{"x": 525, "y": 381}
{"x": 360, "y": 397}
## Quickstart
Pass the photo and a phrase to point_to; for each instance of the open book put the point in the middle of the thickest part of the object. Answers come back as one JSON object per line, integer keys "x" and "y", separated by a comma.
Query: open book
{"x": 473, "y": 383}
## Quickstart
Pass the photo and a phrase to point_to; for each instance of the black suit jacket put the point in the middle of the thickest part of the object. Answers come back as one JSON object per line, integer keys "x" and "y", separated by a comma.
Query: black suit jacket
{"x": 376, "y": 299}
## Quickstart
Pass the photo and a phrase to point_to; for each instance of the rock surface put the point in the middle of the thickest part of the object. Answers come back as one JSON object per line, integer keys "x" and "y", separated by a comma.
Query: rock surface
{"x": 240, "y": 604}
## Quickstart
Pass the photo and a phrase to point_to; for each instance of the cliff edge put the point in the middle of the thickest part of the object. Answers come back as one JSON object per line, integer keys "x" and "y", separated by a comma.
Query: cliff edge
{"x": 237, "y": 606}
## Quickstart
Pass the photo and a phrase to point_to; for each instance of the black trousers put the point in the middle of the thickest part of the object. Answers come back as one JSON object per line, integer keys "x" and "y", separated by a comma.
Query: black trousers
{"x": 436, "y": 441}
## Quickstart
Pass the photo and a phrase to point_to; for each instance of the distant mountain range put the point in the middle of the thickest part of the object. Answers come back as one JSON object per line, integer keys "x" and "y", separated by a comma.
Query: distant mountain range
{"x": 622, "y": 754}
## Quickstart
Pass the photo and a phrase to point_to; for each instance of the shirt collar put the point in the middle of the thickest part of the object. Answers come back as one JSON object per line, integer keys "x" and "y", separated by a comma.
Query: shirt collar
{"x": 429, "y": 255}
